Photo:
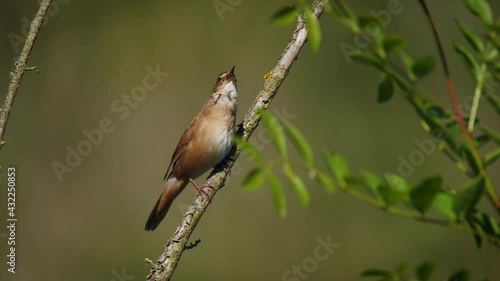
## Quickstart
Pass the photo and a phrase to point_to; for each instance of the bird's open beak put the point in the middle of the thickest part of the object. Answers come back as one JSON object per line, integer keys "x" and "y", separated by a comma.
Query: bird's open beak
{"x": 231, "y": 76}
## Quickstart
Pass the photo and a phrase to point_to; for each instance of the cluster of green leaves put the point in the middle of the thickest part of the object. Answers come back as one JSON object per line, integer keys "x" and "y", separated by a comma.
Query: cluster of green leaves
{"x": 429, "y": 200}
{"x": 391, "y": 192}
{"x": 482, "y": 57}
{"x": 456, "y": 207}
{"x": 302, "y": 10}
{"x": 399, "y": 71}
{"x": 264, "y": 170}
{"x": 423, "y": 272}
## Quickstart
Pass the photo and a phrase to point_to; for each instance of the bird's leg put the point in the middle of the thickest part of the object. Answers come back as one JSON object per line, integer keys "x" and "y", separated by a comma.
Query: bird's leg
{"x": 201, "y": 187}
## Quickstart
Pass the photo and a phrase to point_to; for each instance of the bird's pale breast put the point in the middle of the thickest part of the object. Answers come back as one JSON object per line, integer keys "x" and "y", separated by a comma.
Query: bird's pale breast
{"x": 212, "y": 142}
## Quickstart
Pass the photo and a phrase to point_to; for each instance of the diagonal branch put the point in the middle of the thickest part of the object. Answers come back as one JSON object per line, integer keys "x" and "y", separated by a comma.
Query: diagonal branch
{"x": 167, "y": 262}
{"x": 21, "y": 67}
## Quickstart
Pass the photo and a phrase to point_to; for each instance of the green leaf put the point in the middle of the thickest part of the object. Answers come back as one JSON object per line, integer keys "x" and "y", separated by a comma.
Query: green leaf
{"x": 346, "y": 22}
{"x": 354, "y": 182}
{"x": 299, "y": 141}
{"x": 481, "y": 140}
{"x": 493, "y": 36}
{"x": 375, "y": 273}
{"x": 374, "y": 183}
{"x": 397, "y": 182}
{"x": 313, "y": 30}
{"x": 477, "y": 238}
{"x": 423, "y": 195}
{"x": 385, "y": 89}
{"x": 453, "y": 128}
{"x": 487, "y": 223}
{"x": 491, "y": 156}
{"x": 469, "y": 157}
{"x": 423, "y": 66}
{"x": 286, "y": 15}
{"x": 469, "y": 35}
{"x": 481, "y": 9}
{"x": 344, "y": 10}
{"x": 369, "y": 19}
{"x": 397, "y": 189}
{"x": 468, "y": 59}
{"x": 249, "y": 149}
{"x": 279, "y": 198}
{"x": 493, "y": 99}
{"x": 276, "y": 131}
{"x": 325, "y": 181}
{"x": 443, "y": 203}
{"x": 491, "y": 55}
{"x": 408, "y": 62}
{"x": 495, "y": 136}
{"x": 297, "y": 185}
{"x": 461, "y": 275}
{"x": 436, "y": 111}
{"x": 338, "y": 166}
{"x": 253, "y": 179}
{"x": 467, "y": 197}
{"x": 434, "y": 125}
{"x": 367, "y": 58}
{"x": 393, "y": 42}
{"x": 425, "y": 271}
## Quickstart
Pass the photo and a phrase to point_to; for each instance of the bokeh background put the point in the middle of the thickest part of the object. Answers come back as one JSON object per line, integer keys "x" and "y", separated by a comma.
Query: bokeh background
{"x": 90, "y": 225}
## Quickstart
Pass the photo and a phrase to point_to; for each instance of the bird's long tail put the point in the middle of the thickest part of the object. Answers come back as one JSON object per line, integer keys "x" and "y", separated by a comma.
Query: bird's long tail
{"x": 173, "y": 187}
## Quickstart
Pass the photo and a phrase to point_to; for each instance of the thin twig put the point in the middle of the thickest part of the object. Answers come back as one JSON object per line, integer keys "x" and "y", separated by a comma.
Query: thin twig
{"x": 408, "y": 214}
{"x": 477, "y": 96}
{"x": 22, "y": 67}
{"x": 481, "y": 80}
{"x": 420, "y": 218}
{"x": 354, "y": 192}
{"x": 167, "y": 262}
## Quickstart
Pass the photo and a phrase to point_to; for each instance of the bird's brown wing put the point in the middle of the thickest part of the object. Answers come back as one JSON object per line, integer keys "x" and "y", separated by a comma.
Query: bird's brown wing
{"x": 179, "y": 150}
{"x": 185, "y": 138}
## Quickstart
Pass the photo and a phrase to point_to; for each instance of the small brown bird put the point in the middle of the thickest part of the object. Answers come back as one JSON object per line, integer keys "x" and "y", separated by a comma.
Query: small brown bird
{"x": 205, "y": 143}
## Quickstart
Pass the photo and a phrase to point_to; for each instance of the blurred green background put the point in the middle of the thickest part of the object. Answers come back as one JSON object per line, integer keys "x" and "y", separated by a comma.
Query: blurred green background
{"x": 90, "y": 225}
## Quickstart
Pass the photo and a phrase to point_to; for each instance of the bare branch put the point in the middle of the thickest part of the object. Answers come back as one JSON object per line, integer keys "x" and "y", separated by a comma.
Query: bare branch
{"x": 167, "y": 262}
{"x": 22, "y": 67}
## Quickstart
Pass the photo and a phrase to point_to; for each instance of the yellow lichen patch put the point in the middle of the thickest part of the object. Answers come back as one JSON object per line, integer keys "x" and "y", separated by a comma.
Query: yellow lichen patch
{"x": 269, "y": 74}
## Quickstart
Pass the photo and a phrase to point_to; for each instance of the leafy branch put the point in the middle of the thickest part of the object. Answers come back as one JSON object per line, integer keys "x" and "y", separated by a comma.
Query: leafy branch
{"x": 431, "y": 200}
{"x": 482, "y": 9}
{"x": 390, "y": 193}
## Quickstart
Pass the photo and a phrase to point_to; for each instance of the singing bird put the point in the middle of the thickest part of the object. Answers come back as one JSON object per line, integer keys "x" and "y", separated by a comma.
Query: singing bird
{"x": 205, "y": 143}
